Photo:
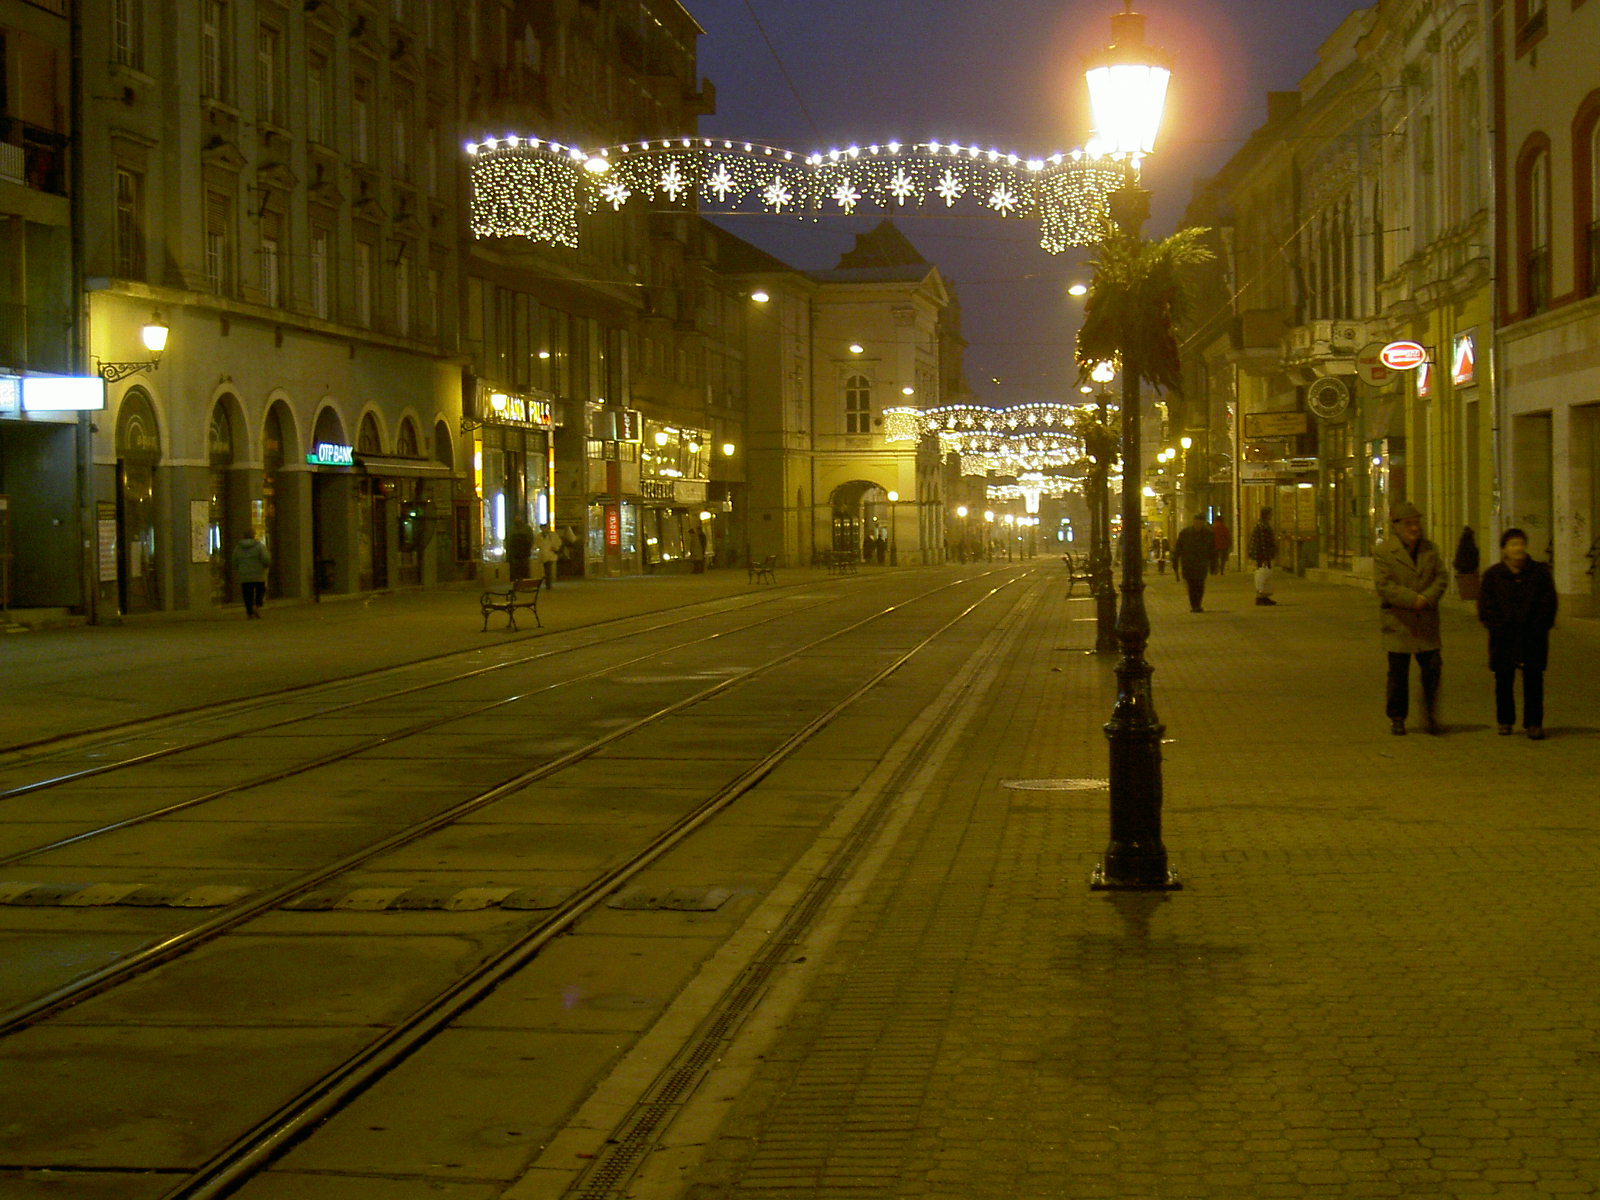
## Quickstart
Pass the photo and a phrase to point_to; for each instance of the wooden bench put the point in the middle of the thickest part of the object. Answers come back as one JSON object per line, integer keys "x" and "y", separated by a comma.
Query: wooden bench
{"x": 524, "y": 593}
{"x": 1078, "y": 571}
{"x": 839, "y": 562}
{"x": 764, "y": 571}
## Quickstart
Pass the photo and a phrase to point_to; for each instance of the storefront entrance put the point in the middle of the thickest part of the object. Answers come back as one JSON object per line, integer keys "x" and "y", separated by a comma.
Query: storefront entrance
{"x": 138, "y": 446}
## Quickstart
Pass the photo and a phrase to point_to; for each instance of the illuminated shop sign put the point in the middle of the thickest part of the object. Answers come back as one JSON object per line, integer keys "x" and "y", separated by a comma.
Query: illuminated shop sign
{"x": 1404, "y": 356}
{"x": 1464, "y": 360}
{"x": 331, "y": 454}
{"x": 79, "y": 393}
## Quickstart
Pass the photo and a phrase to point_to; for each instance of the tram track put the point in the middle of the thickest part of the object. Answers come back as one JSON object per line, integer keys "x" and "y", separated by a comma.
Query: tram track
{"x": 251, "y": 1153}
{"x": 42, "y": 751}
{"x": 322, "y": 761}
{"x": 230, "y": 918}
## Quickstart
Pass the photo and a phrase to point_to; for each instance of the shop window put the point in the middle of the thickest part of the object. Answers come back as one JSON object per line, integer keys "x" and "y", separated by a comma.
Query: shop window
{"x": 857, "y": 405}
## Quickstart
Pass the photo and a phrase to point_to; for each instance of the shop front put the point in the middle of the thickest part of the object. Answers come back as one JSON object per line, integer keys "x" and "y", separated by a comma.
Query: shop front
{"x": 513, "y": 468}
{"x": 678, "y": 518}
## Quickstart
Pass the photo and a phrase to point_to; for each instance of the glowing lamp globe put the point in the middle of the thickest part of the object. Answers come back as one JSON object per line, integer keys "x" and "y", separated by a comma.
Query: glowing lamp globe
{"x": 1127, "y": 88}
{"x": 154, "y": 335}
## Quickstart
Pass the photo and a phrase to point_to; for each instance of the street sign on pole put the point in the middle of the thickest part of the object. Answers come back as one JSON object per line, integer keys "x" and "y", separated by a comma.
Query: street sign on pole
{"x": 1404, "y": 356}
{"x": 1370, "y": 366}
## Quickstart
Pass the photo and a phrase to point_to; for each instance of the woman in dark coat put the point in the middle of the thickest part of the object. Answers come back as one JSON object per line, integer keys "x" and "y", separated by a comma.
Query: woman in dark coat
{"x": 1518, "y": 605}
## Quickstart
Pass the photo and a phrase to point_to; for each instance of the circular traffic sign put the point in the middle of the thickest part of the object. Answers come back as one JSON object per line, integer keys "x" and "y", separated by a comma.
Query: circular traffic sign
{"x": 1404, "y": 356}
{"x": 1370, "y": 367}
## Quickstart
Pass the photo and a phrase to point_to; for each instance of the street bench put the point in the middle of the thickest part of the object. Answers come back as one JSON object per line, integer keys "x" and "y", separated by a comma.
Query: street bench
{"x": 1078, "y": 571}
{"x": 765, "y": 570}
{"x": 524, "y": 593}
{"x": 839, "y": 562}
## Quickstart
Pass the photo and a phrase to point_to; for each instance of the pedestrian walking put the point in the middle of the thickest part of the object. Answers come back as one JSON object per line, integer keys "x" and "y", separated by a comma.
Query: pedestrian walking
{"x": 1517, "y": 604}
{"x": 1221, "y": 545}
{"x": 1263, "y": 550}
{"x": 1192, "y": 557}
{"x": 1408, "y": 575}
{"x": 519, "y": 550}
{"x": 250, "y": 561}
{"x": 549, "y": 545}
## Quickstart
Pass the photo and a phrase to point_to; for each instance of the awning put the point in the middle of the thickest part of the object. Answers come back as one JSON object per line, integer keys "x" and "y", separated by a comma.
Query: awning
{"x": 415, "y": 468}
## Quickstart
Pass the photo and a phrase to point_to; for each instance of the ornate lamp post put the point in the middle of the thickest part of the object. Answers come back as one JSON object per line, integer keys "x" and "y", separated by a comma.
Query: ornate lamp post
{"x": 894, "y": 552}
{"x": 1127, "y": 91}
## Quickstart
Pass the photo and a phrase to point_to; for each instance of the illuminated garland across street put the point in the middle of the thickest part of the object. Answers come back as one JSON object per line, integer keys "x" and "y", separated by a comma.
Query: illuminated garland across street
{"x": 529, "y": 187}
{"x": 1040, "y": 445}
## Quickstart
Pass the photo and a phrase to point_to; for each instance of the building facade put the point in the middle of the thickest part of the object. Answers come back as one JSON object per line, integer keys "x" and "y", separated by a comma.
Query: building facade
{"x": 1357, "y": 216}
{"x": 41, "y": 451}
{"x": 1547, "y": 146}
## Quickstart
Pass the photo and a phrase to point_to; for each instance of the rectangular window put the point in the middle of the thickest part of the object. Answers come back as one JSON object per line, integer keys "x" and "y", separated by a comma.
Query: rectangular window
{"x": 400, "y": 135}
{"x": 433, "y": 300}
{"x": 271, "y": 259}
{"x": 321, "y": 303}
{"x": 361, "y": 119}
{"x": 364, "y": 284}
{"x": 130, "y": 224}
{"x": 127, "y": 33}
{"x": 219, "y": 244}
{"x": 318, "y": 81}
{"x": 430, "y": 160}
{"x": 269, "y": 76}
{"x": 216, "y": 75}
{"x": 402, "y": 294}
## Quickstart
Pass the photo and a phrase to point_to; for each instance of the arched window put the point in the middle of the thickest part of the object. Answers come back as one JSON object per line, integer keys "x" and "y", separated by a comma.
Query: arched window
{"x": 1586, "y": 193}
{"x": 405, "y": 442}
{"x": 367, "y": 442}
{"x": 857, "y": 405}
{"x": 1533, "y": 224}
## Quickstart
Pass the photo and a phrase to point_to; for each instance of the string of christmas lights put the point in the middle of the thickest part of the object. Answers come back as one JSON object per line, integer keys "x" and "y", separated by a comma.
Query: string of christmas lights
{"x": 530, "y": 187}
{"x": 1040, "y": 439}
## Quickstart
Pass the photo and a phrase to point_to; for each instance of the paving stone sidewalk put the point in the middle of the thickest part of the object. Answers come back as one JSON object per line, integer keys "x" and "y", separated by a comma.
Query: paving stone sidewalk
{"x": 1381, "y": 979}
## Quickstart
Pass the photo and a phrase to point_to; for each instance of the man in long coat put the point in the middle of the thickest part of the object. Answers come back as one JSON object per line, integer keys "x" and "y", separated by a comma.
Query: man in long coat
{"x": 1409, "y": 577}
{"x": 1192, "y": 556}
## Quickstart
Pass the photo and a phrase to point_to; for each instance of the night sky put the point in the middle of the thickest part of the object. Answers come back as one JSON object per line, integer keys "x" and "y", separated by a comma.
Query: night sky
{"x": 1002, "y": 73}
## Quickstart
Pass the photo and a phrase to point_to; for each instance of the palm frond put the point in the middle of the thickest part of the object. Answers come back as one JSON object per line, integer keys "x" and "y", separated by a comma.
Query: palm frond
{"x": 1136, "y": 301}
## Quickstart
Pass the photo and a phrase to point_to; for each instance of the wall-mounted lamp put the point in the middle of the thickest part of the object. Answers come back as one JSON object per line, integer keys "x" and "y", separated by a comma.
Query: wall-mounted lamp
{"x": 154, "y": 337}
{"x": 760, "y": 296}
{"x": 728, "y": 449}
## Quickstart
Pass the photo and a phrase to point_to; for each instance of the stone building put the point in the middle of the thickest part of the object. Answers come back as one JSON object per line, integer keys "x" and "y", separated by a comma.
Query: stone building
{"x": 1547, "y": 146}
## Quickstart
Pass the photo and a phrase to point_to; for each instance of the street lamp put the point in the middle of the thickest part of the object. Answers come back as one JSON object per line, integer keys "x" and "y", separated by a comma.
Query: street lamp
{"x": 894, "y": 553}
{"x": 988, "y": 535}
{"x": 154, "y": 336}
{"x": 1127, "y": 91}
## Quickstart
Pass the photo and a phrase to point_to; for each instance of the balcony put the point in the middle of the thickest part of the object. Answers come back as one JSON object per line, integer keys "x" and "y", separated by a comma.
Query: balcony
{"x": 33, "y": 156}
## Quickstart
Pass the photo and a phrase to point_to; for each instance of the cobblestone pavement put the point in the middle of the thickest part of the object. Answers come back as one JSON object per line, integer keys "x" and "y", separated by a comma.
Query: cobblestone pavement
{"x": 1380, "y": 980}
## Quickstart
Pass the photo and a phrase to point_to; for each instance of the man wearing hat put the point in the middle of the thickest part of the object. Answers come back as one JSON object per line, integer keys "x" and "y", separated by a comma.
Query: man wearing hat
{"x": 1409, "y": 576}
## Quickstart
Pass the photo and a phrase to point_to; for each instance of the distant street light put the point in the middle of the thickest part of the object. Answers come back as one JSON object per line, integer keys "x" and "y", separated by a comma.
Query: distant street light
{"x": 894, "y": 551}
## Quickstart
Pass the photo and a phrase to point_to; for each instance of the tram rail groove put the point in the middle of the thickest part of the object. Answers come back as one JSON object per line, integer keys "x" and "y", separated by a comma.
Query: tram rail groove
{"x": 41, "y": 748}
{"x": 248, "y": 1155}
{"x": 269, "y": 699}
{"x": 175, "y": 945}
{"x": 307, "y": 766}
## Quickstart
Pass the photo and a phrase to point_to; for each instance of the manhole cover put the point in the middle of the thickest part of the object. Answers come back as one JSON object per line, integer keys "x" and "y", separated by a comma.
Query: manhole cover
{"x": 1055, "y": 785}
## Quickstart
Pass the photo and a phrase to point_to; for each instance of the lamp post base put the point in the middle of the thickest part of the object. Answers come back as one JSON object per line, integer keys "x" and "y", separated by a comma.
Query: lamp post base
{"x": 1156, "y": 882}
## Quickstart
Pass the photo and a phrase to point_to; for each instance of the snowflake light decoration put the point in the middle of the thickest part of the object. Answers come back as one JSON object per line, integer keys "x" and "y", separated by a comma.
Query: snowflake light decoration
{"x": 776, "y": 195}
{"x": 672, "y": 181}
{"x": 721, "y": 183}
{"x": 536, "y": 188}
{"x": 950, "y": 188}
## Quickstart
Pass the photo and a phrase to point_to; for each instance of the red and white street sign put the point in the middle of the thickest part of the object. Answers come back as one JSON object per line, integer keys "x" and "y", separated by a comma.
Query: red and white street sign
{"x": 1370, "y": 367}
{"x": 1404, "y": 356}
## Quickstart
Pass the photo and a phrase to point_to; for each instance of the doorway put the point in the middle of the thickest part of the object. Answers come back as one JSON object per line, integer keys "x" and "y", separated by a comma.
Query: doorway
{"x": 138, "y": 446}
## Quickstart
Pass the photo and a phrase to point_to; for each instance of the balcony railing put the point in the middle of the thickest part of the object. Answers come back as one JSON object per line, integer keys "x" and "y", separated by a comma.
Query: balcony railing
{"x": 33, "y": 156}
